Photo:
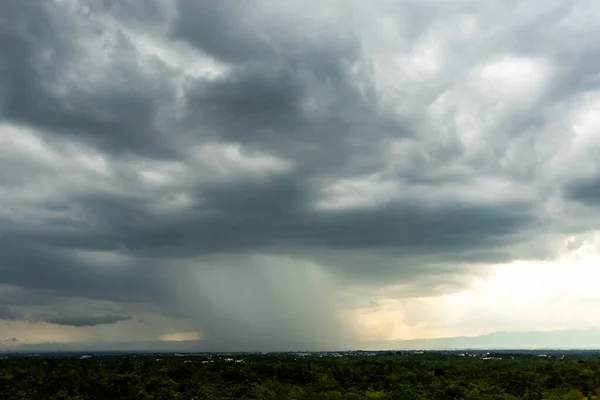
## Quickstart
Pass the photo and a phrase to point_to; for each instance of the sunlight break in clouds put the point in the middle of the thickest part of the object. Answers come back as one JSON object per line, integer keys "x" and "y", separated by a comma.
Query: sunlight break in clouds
{"x": 180, "y": 336}
{"x": 516, "y": 297}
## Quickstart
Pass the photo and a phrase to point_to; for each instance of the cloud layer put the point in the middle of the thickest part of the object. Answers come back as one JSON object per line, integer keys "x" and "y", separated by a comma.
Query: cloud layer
{"x": 251, "y": 169}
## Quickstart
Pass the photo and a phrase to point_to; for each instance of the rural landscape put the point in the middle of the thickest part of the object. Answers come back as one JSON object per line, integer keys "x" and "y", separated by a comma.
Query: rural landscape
{"x": 557, "y": 375}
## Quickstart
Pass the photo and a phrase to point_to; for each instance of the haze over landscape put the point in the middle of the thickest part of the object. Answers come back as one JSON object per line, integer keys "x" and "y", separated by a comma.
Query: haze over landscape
{"x": 286, "y": 175}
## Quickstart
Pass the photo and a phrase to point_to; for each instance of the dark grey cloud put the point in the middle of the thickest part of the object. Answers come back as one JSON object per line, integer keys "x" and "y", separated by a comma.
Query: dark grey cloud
{"x": 58, "y": 319}
{"x": 287, "y": 89}
{"x": 47, "y": 82}
{"x": 58, "y": 271}
{"x": 19, "y": 303}
{"x": 91, "y": 320}
{"x": 585, "y": 191}
{"x": 207, "y": 24}
{"x": 239, "y": 165}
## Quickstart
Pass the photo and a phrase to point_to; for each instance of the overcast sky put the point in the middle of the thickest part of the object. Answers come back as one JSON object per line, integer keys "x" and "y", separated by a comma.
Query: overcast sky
{"x": 297, "y": 174}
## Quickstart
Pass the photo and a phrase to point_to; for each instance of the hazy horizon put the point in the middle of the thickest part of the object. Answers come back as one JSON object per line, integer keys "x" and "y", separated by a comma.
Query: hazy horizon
{"x": 280, "y": 174}
{"x": 573, "y": 339}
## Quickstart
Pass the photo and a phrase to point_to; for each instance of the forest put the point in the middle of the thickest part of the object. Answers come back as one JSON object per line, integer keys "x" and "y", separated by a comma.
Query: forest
{"x": 398, "y": 376}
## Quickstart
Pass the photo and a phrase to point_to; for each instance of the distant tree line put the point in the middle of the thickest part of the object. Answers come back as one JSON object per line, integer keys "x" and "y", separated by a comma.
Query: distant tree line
{"x": 428, "y": 376}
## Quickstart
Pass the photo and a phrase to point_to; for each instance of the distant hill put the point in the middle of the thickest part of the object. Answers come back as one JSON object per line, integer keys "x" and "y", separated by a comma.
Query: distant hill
{"x": 571, "y": 339}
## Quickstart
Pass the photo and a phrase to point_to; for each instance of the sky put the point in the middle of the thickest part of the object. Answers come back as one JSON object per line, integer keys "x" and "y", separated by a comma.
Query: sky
{"x": 274, "y": 174}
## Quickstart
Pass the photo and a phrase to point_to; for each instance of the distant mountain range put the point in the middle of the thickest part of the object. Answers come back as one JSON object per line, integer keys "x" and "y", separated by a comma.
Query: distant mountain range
{"x": 571, "y": 339}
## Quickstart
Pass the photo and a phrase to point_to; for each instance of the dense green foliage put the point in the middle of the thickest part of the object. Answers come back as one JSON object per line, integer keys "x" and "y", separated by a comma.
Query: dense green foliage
{"x": 426, "y": 376}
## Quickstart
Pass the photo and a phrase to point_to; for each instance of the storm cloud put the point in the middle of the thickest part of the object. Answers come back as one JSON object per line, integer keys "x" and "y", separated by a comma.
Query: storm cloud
{"x": 243, "y": 166}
